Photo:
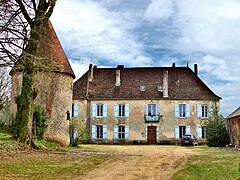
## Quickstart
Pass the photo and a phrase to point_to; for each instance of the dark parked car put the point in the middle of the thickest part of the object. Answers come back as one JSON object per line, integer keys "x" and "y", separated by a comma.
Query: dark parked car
{"x": 189, "y": 139}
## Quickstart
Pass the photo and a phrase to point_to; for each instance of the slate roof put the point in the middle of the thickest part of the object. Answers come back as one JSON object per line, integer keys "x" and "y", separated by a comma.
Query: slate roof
{"x": 183, "y": 84}
{"x": 234, "y": 113}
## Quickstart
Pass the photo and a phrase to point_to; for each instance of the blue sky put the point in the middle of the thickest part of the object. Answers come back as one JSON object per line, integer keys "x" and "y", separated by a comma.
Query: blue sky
{"x": 156, "y": 33}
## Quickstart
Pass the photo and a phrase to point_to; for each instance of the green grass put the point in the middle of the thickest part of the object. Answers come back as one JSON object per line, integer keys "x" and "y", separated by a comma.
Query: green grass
{"x": 212, "y": 163}
{"x": 49, "y": 167}
{"x": 18, "y": 161}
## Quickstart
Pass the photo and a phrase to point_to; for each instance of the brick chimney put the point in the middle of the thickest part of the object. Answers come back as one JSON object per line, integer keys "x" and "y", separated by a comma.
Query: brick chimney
{"x": 196, "y": 69}
{"x": 165, "y": 84}
{"x": 118, "y": 75}
{"x": 90, "y": 73}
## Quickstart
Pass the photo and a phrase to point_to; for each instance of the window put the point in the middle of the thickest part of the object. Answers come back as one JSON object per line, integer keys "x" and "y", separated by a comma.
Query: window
{"x": 75, "y": 110}
{"x": 152, "y": 112}
{"x": 99, "y": 132}
{"x": 99, "y": 110}
{"x": 203, "y": 110}
{"x": 121, "y": 110}
{"x": 182, "y": 110}
{"x": 121, "y": 132}
{"x": 204, "y": 132}
{"x": 181, "y": 130}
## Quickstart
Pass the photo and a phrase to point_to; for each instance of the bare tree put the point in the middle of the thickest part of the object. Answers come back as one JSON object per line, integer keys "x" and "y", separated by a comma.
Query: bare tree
{"x": 5, "y": 86}
{"x": 21, "y": 26}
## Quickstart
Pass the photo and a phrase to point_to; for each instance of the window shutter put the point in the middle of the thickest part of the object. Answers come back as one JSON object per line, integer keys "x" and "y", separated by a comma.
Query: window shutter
{"x": 199, "y": 131}
{"x": 115, "y": 132}
{"x": 104, "y": 132}
{"x": 157, "y": 107}
{"x": 187, "y": 129}
{"x": 94, "y": 132}
{"x": 146, "y": 109}
{"x": 177, "y": 110}
{"x": 126, "y": 132}
{"x": 105, "y": 110}
{"x": 188, "y": 110}
{"x": 75, "y": 110}
{"x": 126, "y": 110}
{"x": 115, "y": 110}
{"x": 199, "y": 111}
{"x": 176, "y": 132}
{"x": 94, "y": 110}
{"x": 148, "y": 118}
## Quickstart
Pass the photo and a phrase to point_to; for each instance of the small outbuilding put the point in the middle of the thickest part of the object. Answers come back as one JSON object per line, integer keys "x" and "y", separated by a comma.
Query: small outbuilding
{"x": 233, "y": 123}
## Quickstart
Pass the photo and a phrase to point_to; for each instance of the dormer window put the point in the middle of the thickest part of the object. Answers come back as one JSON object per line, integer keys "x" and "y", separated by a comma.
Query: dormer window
{"x": 142, "y": 88}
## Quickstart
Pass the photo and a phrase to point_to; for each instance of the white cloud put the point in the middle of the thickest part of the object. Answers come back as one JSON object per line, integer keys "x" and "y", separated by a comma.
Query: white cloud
{"x": 209, "y": 25}
{"x": 159, "y": 9}
{"x": 91, "y": 29}
{"x": 109, "y": 32}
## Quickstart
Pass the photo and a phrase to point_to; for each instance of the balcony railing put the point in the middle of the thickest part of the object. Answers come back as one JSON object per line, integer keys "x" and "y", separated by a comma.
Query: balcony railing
{"x": 152, "y": 118}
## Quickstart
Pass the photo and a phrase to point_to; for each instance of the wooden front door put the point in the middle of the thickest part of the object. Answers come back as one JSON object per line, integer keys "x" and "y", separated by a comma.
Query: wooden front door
{"x": 151, "y": 134}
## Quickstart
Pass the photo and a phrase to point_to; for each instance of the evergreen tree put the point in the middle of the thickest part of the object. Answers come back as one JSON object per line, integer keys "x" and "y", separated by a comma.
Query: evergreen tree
{"x": 217, "y": 135}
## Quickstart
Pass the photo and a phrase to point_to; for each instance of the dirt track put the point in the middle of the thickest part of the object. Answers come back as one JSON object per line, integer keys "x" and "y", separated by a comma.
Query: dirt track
{"x": 141, "y": 162}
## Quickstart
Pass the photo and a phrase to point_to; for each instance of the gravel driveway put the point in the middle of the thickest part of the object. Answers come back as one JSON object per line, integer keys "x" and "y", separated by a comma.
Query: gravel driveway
{"x": 141, "y": 162}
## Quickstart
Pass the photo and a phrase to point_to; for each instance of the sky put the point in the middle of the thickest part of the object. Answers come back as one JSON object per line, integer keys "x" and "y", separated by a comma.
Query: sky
{"x": 149, "y": 33}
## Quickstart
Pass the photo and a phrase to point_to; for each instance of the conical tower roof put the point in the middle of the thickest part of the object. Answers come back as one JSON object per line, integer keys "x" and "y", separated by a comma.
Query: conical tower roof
{"x": 50, "y": 48}
{"x": 50, "y": 53}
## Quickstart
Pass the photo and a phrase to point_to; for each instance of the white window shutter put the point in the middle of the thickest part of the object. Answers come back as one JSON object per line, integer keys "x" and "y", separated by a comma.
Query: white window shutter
{"x": 94, "y": 110}
{"x": 75, "y": 110}
{"x": 104, "y": 132}
{"x": 146, "y": 109}
{"x": 176, "y": 132}
{"x": 187, "y": 129}
{"x": 188, "y": 110}
{"x": 105, "y": 110}
{"x": 146, "y": 112}
{"x": 115, "y": 132}
{"x": 115, "y": 110}
{"x": 199, "y": 111}
{"x": 157, "y": 109}
{"x": 177, "y": 110}
{"x": 199, "y": 131}
{"x": 126, "y": 132}
{"x": 94, "y": 130}
{"x": 126, "y": 110}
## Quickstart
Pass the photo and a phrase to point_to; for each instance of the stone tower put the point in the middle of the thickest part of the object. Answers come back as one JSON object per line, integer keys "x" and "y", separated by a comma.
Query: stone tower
{"x": 54, "y": 86}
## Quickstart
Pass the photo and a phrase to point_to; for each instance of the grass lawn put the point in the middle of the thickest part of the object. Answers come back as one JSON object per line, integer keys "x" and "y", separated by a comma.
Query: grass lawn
{"x": 18, "y": 161}
{"x": 212, "y": 163}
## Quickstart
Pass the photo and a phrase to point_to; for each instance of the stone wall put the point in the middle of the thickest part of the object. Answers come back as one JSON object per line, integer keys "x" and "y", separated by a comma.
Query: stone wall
{"x": 235, "y": 130}
{"x": 55, "y": 98}
{"x": 136, "y": 119}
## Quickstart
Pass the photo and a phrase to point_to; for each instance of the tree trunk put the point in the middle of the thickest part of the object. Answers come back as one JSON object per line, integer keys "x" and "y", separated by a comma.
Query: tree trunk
{"x": 25, "y": 108}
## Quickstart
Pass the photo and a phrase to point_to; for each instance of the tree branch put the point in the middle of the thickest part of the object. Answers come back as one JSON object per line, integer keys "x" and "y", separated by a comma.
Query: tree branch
{"x": 25, "y": 13}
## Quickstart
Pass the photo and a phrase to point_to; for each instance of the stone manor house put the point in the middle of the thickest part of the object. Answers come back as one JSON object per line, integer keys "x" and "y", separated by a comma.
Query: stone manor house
{"x": 147, "y": 104}
{"x": 142, "y": 104}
